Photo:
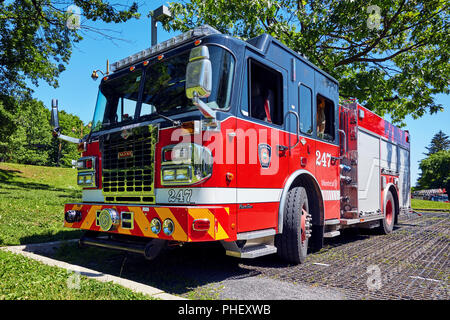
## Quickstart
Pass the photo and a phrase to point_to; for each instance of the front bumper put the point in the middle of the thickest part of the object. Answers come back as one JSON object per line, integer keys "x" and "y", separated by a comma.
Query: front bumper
{"x": 221, "y": 227}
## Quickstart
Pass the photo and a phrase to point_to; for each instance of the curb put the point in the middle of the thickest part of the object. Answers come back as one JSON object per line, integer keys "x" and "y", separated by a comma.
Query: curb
{"x": 89, "y": 273}
{"x": 431, "y": 210}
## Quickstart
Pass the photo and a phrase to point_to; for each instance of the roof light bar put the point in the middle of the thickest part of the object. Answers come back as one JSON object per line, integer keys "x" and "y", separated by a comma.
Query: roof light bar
{"x": 201, "y": 31}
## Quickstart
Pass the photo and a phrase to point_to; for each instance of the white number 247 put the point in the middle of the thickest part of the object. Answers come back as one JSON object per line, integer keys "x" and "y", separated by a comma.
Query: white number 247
{"x": 323, "y": 159}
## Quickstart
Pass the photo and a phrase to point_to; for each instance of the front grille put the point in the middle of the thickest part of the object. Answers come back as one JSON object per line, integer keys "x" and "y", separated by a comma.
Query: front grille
{"x": 128, "y": 168}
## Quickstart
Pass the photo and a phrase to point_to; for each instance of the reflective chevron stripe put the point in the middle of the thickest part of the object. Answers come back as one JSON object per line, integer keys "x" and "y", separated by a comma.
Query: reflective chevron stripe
{"x": 182, "y": 218}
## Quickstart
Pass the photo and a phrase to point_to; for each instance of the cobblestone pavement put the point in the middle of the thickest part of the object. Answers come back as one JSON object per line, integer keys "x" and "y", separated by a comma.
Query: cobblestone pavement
{"x": 410, "y": 263}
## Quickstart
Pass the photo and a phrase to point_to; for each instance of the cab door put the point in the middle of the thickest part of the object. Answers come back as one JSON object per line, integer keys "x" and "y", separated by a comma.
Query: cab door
{"x": 262, "y": 161}
{"x": 326, "y": 125}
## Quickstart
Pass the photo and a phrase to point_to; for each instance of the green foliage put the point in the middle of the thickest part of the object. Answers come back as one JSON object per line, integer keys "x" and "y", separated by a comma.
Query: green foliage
{"x": 394, "y": 58}
{"x": 29, "y": 135}
{"x": 440, "y": 141}
{"x": 26, "y": 137}
{"x": 435, "y": 171}
{"x": 35, "y": 42}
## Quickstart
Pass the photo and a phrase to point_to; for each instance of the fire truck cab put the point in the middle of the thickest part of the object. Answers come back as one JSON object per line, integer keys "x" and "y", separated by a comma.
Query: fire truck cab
{"x": 205, "y": 137}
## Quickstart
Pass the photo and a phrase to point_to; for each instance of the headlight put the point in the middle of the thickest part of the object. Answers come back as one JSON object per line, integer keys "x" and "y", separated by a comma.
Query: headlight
{"x": 86, "y": 172}
{"x": 168, "y": 227}
{"x": 168, "y": 175}
{"x": 182, "y": 174}
{"x": 185, "y": 163}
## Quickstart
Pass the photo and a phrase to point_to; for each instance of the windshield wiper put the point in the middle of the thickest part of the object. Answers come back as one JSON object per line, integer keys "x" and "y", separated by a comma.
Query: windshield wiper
{"x": 176, "y": 123}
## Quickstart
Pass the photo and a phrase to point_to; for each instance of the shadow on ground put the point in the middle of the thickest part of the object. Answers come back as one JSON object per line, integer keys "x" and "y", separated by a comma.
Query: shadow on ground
{"x": 7, "y": 177}
{"x": 195, "y": 270}
{"x": 184, "y": 271}
{"x": 51, "y": 236}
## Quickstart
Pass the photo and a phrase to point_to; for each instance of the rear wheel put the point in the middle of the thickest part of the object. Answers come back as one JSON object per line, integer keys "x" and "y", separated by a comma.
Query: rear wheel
{"x": 387, "y": 224}
{"x": 292, "y": 244}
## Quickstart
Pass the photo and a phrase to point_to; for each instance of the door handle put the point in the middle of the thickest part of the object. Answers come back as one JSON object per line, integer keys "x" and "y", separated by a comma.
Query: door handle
{"x": 297, "y": 128}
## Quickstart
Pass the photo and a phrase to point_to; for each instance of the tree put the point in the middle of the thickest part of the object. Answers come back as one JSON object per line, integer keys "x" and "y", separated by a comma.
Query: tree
{"x": 435, "y": 171}
{"x": 37, "y": 36}
{"x": 440, "y": 142}
{"x": 36, "y": 41}
{"x": 393, "y": 56}
{"x": 30, "y": 142}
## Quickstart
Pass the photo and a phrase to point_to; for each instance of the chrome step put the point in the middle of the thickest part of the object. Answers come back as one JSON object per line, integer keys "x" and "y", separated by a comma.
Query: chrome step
{"x": 255, "y": 234}
{"x": 331, "y": 234}
{"x": 253, "y": 251}
{"x": 331, "y": 222}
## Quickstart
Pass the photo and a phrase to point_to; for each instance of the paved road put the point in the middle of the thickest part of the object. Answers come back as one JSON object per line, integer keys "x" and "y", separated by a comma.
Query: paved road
{"x": 410, "y": 263}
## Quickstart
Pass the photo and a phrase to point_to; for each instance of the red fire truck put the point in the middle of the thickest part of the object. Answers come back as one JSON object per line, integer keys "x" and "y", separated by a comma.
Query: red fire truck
{"x": 205, "y": 137}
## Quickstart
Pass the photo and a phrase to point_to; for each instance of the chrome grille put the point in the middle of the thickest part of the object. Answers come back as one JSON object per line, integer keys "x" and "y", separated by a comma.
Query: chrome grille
{"x": 128, "y": 168}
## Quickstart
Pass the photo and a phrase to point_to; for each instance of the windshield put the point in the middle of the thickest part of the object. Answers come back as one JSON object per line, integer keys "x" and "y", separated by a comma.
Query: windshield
{"x": 163, "y": 90}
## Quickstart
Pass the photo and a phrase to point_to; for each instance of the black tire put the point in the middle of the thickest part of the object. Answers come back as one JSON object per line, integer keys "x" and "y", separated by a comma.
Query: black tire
{"x": 316, "y": 241}
{"x": 387, "y": 224}
{"x": 292, "y": 243}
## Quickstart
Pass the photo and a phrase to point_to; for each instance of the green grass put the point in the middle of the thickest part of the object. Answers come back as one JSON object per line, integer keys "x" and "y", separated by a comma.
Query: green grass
{"x": 32, "y": 202}
{"x": 22, "y": 278}
{"x": 425, "y": 204}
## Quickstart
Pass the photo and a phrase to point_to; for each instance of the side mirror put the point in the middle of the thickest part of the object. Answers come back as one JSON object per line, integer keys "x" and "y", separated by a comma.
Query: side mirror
{"x": 54, "y": 122}
{"x": 199, "y": 79}
{"x": 198, "y": 73}
{"x": 54, "y": 115}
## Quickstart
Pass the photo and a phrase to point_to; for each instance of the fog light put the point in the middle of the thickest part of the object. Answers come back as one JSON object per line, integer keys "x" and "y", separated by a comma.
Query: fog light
{"x": 155, "y": 225}
{"x": 168, "y": 227}
{"x": 72, "y": 216}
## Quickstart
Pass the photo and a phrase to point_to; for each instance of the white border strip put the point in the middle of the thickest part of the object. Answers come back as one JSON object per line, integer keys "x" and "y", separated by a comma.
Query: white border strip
{"x": 217, "y": 195}
{"x": 202, "y": 195}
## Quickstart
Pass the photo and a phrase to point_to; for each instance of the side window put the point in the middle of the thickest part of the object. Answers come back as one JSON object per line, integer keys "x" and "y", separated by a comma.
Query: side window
{"x": 325, "y": 118}
{"x": 265, "y": 92}
{"x": 147, "y": 109}
{"x": 305, "y": 103}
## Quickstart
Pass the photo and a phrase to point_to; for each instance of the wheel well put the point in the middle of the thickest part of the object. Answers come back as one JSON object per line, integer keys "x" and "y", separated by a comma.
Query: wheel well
{"x": 315, "y": 201}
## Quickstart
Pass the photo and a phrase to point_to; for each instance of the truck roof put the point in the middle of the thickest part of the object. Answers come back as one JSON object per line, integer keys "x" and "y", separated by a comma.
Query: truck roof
{"x": 260, "y": 44}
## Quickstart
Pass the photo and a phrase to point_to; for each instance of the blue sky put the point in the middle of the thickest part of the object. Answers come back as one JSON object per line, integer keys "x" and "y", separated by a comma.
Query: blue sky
{"x": 77, "y": 92}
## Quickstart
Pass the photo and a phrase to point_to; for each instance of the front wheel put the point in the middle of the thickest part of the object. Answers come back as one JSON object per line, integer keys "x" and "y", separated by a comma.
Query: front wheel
{"x": 292, "y": 243}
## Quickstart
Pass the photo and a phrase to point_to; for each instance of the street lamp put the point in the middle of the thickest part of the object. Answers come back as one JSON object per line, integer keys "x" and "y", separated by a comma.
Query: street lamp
{"x": 158, "y": 15}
